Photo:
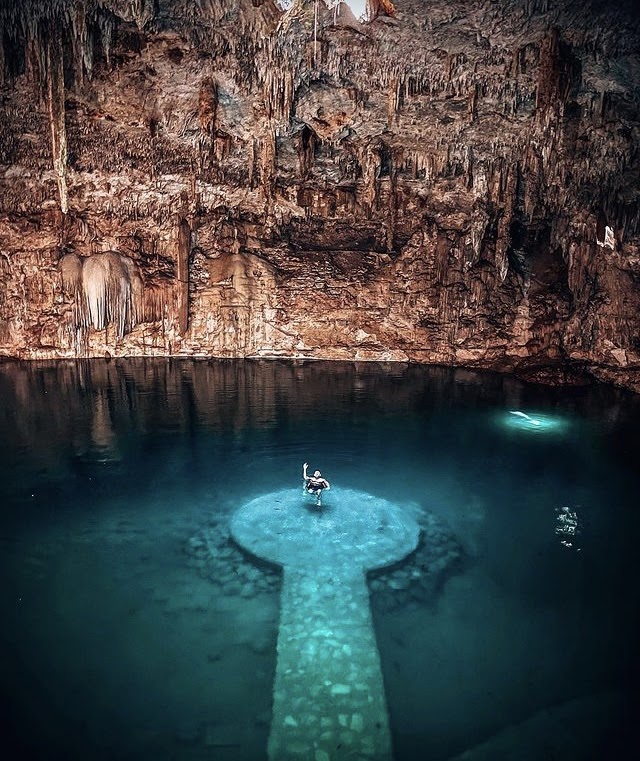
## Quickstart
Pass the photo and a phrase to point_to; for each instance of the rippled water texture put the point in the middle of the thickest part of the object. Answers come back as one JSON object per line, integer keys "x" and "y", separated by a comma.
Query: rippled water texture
{"x": 132, "y": 628}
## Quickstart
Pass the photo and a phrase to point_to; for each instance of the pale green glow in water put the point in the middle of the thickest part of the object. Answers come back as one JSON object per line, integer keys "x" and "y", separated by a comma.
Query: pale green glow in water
{"x": 533, "y": 422}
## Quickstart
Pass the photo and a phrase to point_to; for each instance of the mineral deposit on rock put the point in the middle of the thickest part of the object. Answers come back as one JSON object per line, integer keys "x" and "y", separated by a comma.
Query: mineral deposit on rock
{"x": 445, "y": 181}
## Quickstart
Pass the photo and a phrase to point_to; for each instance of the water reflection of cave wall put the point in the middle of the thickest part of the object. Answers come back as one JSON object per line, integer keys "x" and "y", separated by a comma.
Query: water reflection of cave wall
{"x": 93, "y": 404}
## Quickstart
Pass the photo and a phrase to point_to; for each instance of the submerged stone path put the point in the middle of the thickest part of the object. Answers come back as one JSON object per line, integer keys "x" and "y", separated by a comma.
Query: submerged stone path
{"x": 329, "y": 702}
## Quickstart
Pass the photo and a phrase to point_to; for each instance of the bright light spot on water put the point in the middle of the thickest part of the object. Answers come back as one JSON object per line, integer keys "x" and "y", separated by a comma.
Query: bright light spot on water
{"x": 524, "y": 417}
{"x": 534, "y": 422}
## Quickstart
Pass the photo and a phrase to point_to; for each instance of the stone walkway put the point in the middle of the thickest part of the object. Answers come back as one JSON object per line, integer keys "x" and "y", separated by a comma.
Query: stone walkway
{"x": 329, "y": 702}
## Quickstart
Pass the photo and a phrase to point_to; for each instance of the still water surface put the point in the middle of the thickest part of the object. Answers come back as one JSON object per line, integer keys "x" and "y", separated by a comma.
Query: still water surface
{"x": 116, "y": 646}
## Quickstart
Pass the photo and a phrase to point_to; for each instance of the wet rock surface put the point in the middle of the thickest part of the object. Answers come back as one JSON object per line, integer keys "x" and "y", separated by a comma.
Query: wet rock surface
{"x": 421, "y": 576}
{"x": 453, "y": 183}
{"x": 219, "y": 559}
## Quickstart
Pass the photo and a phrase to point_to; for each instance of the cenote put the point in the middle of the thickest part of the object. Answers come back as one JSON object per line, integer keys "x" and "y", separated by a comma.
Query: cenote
{"x": 134, "y": 627}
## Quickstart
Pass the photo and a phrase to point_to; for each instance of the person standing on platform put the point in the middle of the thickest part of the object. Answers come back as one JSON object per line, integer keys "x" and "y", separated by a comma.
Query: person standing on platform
{"x": 314, "y": 484}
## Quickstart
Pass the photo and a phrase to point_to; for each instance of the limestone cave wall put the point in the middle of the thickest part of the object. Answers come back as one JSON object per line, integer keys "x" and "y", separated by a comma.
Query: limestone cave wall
{"x": 440, "y": 181}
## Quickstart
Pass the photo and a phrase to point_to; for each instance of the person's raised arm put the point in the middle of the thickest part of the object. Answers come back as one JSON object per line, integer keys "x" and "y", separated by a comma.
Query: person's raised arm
{"x": 304, "y": 470}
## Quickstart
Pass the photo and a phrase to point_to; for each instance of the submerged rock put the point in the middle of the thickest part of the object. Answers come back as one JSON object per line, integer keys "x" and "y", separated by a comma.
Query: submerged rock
{"x": 422, "y": 574}
{"x": 418, "y": 578}
{"x": 220, "y": 561}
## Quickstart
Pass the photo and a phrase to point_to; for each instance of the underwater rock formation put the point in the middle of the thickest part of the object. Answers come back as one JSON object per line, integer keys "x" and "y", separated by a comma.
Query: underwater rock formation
{"x": 440, "y": 182}
{"x": 419, "y": 578}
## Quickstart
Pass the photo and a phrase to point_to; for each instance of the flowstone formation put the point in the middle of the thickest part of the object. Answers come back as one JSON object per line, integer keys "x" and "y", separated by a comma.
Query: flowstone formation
{"x": 445, "y": 182}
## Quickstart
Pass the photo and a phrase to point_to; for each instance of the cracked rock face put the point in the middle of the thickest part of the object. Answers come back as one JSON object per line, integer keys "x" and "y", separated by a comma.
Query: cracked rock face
{"x": 444, "y": 182}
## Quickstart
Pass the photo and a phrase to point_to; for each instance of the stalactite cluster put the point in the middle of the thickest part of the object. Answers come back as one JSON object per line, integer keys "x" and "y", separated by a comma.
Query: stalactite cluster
{"x": 106, "y": 289}
{"x": 438, "y": 176}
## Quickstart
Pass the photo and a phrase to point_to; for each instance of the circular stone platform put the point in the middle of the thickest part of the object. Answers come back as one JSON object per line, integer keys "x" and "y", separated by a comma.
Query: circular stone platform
{"x": 286, "y": 528}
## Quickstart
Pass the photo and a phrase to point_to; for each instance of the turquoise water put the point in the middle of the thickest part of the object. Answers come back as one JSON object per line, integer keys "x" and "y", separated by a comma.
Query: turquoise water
{"x": 121, "y": 641}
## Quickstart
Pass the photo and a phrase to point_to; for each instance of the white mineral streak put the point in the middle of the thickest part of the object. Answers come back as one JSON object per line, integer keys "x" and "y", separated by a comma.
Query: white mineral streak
{"x": 55, "y": 88}
{"x": 106, "y": 289}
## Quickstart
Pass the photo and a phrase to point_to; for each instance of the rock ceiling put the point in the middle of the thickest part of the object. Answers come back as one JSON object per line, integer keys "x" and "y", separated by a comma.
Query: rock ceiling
{"x": 441, "y": 181}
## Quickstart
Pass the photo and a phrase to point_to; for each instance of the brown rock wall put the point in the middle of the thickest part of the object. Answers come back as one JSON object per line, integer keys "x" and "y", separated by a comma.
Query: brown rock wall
{"x": 428, "y": 186}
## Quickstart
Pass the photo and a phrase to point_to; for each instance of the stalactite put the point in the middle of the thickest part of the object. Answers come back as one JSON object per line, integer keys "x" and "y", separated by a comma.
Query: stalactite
{"x": 106, "y": 26}
{"x": 71, "y": 270}
{"x": 556, "y": 73}
{"x": 35, "y": 51}
{"x": 268, "y": 154}
{"x": 143, "y": 11}
{"x": 394, "y": 159}
{"x": 55, "y": 88}
{"x": 253, "y": 171}
{"x": 95, "y": 286}
{"x": 139, "y": 11}
{"x": 394, "y": 95}
{"x": 105, "y": 288}
{"x": 134, "y": 297}
{"x": 279, "y": 91}
{"x": 208, "y": 153}
{"x": 473, "y": 103}
{"x": 183, "y": 249}
{"x": 154, "y": 303}
{"x": 208, "y": 106}
{"x": 82, "y": 43}
{"x": 479, "y": 222}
